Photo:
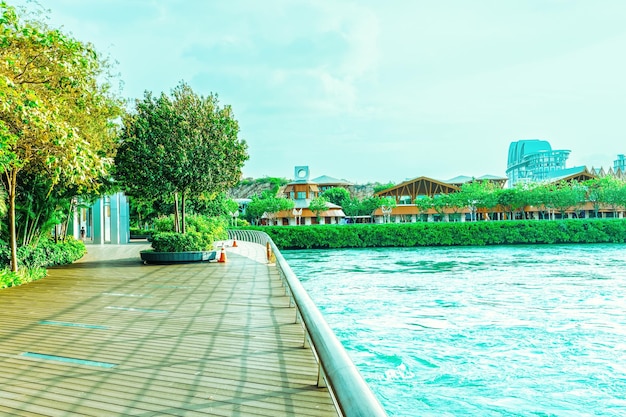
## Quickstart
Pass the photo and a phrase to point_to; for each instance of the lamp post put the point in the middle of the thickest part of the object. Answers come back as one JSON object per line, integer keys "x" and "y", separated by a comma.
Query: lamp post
{"x": 386, "y": 213}
{"x": 297, "y": 213}
{"x": 234, "y": 215}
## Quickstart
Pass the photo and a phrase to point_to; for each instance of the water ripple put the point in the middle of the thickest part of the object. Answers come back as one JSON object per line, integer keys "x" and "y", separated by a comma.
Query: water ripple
{"x": 489, "y": 331}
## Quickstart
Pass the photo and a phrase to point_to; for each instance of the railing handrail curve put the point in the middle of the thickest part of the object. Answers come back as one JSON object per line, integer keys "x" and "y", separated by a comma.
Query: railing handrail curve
{"x": 352, "y": 395}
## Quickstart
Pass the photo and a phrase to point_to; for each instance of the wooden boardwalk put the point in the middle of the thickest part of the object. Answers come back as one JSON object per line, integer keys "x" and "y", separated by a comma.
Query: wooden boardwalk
{"x": 109, "y": 336}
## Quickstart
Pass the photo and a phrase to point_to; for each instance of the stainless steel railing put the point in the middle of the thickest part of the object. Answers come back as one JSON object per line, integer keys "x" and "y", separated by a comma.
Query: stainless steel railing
{"x": 350, "y": 392}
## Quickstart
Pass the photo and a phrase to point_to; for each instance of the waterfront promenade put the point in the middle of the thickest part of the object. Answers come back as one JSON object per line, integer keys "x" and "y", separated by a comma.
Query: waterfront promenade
{"x": 110, "y": 336}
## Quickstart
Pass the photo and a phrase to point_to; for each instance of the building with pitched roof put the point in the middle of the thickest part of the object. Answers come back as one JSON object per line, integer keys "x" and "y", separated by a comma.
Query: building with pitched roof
{"x": 302, "y": 190}
{"x": 325, "y": 182}
{"x": 408, "y": 191}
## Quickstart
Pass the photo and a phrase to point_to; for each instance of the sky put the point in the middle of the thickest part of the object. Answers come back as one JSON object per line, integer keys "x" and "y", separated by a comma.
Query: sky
{"x": 378, "y": 91}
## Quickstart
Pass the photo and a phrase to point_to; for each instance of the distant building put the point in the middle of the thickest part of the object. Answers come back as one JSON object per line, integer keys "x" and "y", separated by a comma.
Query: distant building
{"x": 326, "y": 183}
{"x": 107, "y": 220}
{"x": 620, "y": 163}
{"x": 302, "y": 190}
{"x": 533, "y": 160}
{"x": 405, "y": 194}
{"x": 463, "y": 179}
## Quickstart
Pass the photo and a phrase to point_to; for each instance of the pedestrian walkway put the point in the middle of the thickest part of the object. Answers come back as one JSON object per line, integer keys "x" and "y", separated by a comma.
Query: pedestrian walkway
{"x": 109, "y": 336}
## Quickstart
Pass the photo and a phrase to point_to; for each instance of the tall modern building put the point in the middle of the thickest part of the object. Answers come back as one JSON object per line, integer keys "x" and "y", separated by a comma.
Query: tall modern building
{"x": 532, "y": 160}
{"x": 620, "y": 163}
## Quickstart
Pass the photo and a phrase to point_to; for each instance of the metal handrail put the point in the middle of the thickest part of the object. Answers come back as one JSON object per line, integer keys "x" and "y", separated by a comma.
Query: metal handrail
{"x": 352, "y": 396}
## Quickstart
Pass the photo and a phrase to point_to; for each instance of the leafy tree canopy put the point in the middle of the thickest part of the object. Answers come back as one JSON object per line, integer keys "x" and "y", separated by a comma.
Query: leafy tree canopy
{"x": 336, "y": 195}
{"x": 318, "y": 205}
{"x": 183, "y": 144}
{"x": 57, "y": 111}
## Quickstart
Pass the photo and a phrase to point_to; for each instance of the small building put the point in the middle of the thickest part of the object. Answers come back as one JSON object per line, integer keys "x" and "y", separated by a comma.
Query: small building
{"x": 326, "y": 183}
{"x": 302, "y": 190}
{"x": 107, "y": 220}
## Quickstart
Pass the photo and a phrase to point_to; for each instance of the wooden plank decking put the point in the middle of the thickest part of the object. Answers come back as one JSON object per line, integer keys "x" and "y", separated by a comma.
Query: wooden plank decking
{"x": 109, "y": 336}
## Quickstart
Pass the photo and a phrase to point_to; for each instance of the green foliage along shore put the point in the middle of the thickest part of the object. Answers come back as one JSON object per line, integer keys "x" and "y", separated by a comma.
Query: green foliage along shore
{"x": 448, "y": 234}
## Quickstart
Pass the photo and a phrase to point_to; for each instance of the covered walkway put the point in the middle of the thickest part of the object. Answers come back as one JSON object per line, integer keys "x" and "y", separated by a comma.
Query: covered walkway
{"x": 110, "y": 336}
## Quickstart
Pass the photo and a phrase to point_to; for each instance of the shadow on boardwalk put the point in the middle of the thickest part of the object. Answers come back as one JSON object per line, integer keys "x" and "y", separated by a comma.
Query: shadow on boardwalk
{"x": 111, "y": 336}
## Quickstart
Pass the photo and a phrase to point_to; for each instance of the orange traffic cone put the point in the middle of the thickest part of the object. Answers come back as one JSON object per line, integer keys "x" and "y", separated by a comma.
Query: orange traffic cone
{"x": 222, "y": 256}
{"x": 234, "y": 243}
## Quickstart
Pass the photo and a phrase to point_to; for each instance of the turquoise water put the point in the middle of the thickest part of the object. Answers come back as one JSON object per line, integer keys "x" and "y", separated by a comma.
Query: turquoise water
{"x": 480, "y": 331}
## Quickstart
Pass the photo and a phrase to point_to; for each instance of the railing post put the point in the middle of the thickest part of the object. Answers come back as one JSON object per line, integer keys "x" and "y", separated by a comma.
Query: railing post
{"x": 321, "y": 376}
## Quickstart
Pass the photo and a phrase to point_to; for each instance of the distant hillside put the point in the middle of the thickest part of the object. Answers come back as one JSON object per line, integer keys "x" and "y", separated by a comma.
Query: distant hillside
{"x": 249, "y": 187}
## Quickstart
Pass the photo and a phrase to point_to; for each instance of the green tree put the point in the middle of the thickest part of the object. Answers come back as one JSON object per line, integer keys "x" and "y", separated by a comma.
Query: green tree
{"x": 612, "y": 193}
{"x": 3, "y": 203}
{"x": 268, "y": 205}
{"x": 352, "y": 207}
{"x": 318, "y": 205}
{"x": 182, "y": 145}
{"x": 594, "y": 193}
{"x": 56, "y": 111}
{"x": 423, "y": 204}
{"x": 440, "y": 203}
{"x": 336, "y": 195}
{"x": 566, "y": 196}
{"x": 455, "y": 202}
{"x": 514, "y": 200}
{"x": 476, "y": 195}
{"x": 381, "y": 187}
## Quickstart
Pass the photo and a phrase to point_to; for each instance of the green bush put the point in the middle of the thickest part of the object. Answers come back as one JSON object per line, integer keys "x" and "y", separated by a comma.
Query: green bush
{"x": 23, "y": 276}
{"x": 201, "y": 233}
{"x": 33, "y": 260}
{"x": 210, "y": 228}
{"x": 178, "y": 242}
{"x": 448, "y": 234}
{"x": 45, "y": 253}
{"x": 164, "y": 224}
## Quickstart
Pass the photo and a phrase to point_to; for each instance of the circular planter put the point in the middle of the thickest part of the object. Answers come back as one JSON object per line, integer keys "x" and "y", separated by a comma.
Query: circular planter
{"x": 152, "y": 257}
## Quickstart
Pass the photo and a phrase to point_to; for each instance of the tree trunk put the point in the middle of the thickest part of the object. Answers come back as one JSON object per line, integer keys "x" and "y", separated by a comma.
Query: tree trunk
{"x": 182, "y": 213}
{"x": 12, "y": 190}
{"x": 67, "y": 220}
{"x": 176, "y": 214}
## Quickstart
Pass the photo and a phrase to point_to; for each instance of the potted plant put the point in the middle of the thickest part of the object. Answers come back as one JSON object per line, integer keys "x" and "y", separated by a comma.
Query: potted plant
{"x": 196, "y": 245}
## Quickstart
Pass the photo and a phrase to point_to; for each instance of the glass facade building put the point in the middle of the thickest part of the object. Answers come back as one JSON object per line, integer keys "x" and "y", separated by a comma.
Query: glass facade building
{"x": 620, "y": 163}
{"x": 533, "y": 160}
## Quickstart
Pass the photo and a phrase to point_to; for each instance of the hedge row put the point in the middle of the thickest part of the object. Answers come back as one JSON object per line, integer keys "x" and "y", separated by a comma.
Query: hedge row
{"x": 448, "y": 234}
{"x": 46, "y": 253}
{"x": 32, "y": 260}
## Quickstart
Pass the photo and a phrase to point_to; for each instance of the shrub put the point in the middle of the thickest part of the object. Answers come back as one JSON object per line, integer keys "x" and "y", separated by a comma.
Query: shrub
{"x": 206, "y": 229}
{"x": 178, "y": 242}
{"x": 46, "y": 253}
{"x": 22, "y": 276}
{"x": 164, "y": 224}
{"x": 210, "y": 228}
